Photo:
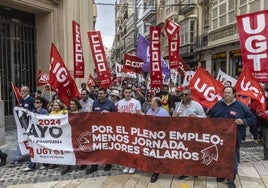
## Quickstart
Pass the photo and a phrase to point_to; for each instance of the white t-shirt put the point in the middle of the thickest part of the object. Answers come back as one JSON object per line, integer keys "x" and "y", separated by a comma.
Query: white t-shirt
{"x": 131, "y": 106}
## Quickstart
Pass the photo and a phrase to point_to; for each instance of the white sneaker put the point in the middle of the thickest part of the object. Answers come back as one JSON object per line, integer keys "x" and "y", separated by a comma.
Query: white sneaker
{"x": 27, "y": 169}
{"x": 126, "y": 169}
{"x": 43, "y": 167}
{"x": 131, "y": 170}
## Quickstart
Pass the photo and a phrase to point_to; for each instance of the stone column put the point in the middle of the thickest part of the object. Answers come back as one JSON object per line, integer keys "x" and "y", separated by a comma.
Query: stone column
{"x": 2, "y": 123}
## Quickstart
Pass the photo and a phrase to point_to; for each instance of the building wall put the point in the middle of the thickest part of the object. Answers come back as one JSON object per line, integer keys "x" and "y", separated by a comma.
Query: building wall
{"x": 223, "y": 46}
{"x": 54, "y": 24}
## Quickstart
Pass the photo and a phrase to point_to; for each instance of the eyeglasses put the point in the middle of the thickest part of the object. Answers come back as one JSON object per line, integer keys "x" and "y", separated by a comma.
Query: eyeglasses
{"x": 185, "y": 94}
{"x": 37, "y": 102}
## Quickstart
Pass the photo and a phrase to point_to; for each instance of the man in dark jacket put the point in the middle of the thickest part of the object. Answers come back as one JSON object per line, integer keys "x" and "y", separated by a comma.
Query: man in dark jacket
{"x": 231, "y": 108}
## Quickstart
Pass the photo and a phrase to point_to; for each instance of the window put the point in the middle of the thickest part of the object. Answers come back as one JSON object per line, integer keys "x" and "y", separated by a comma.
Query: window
{"x": 223, "y": 13}
{"x": 255, "y": 6}
{"x": 246, "y": 6}
{"x": 187, "y": 31}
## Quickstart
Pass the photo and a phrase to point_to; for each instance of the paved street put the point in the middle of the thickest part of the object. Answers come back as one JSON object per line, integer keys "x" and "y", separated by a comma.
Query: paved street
{"x": 250, "y": 152}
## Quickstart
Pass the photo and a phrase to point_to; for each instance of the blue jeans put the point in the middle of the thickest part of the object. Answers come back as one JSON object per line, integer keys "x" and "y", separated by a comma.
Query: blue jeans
{"x": 18, "y": 154}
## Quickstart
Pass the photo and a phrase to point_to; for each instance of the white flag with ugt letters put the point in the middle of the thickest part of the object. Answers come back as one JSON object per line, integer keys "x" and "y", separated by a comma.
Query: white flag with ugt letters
{"x": 225, "y": 79}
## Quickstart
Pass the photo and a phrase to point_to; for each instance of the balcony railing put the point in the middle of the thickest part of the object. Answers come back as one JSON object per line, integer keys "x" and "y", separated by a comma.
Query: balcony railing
{"x": 148, "y": 13}
{"x": 187, "y": 50}
{"x": 223, "y": 32}
{"x": 186, "y": 7}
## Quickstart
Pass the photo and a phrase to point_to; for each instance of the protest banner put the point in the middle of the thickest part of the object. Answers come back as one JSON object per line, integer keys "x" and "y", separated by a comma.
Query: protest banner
{"x": 166, "y": 145}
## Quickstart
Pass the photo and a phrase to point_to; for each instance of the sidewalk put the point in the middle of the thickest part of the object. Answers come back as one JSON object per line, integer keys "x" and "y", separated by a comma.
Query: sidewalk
{"x": 253, "y": 173}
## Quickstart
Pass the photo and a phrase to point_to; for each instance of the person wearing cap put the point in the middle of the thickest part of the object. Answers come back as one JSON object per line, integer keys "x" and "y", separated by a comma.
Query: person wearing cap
{"x": 115, "y": 96}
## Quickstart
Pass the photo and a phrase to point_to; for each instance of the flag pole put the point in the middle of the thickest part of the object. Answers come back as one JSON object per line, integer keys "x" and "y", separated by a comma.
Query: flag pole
{"x": 43, "y": 91}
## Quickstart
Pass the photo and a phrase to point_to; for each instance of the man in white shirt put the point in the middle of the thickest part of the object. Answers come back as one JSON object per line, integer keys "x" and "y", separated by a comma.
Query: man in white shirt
{"x": 86, "y": 102}
{"x": 188, "y": 108}
{"x": 130, "y": 105}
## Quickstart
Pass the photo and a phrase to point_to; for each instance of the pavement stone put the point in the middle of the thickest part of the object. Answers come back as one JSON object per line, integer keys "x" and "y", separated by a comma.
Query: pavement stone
{"x": 250, "y": 152}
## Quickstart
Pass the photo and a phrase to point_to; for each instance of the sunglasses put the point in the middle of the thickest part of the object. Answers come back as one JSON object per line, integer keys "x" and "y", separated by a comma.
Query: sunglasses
{"x": 185, "y": 94}
{"x": 37, "y": 102}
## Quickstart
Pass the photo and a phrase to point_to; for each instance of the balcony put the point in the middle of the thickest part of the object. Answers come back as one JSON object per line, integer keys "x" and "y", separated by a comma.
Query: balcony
{"x": 224, "y": 35}
{"x": 187, "y": 50}
{"x": 186, "y": 7}
{"x": 148, "y": 13}
{"x": 201, "y": 2}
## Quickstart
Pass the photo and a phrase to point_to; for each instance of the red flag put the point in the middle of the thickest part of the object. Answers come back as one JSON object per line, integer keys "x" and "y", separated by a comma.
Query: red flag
{"x": 132, "y": 64}
{"x": 16, "y": 92}
{"x": 155, "y": 60}
{"x": 91, "y": 81}
{"x": 100, "y": 61}
{"x": 79, "y": 64}
{"x": 171, "y": 28}
{"x": 174, "y": 50}
{"x": 205, "y": 89}
{"x": 173, "y": 32}
{"x": 253, "y": 35}
{"x": 247, "y": 85}
{"x": 42, "y": 78}
{"x": 244, "y": 99}
{"x": 60, "y": 78}
{"x": 182, "y": 66}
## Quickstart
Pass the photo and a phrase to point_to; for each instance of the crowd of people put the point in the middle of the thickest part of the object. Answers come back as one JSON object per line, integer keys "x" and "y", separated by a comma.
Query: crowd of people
{"x": 133, "y": 97}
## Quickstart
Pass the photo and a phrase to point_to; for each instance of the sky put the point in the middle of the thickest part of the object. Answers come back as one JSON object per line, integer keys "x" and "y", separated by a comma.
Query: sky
{"x": 105, "y": 22}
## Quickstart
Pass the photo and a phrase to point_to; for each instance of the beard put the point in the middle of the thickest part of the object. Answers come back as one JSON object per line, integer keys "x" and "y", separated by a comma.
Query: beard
{"x": 164, "y": 92}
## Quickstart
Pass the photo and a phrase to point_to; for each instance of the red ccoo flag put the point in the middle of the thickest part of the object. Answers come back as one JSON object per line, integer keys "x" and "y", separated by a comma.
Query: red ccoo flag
{"x": 99, "y": 57}
{"x": 60, "y": 78}
{"x": 79, "y": 63}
